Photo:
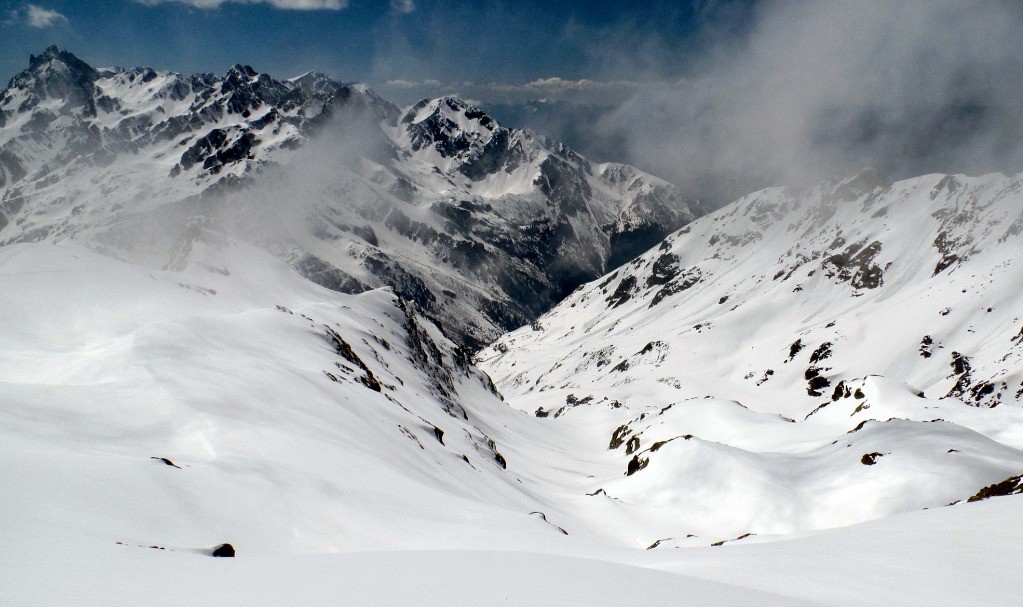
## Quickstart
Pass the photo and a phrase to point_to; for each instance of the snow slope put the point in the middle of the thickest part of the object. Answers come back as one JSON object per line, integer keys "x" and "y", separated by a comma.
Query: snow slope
{"x": 326, "y": 413}
{"x": 348, "y": 451}
{"x": 794, "y": 361}
{"x": 950, "y": 556}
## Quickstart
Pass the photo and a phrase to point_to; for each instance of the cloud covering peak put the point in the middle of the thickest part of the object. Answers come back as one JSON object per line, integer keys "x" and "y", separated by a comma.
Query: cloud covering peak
{"x": 822, "y": 88}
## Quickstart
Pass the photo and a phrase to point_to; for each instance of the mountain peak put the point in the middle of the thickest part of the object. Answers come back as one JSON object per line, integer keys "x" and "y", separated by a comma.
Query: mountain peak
{"x": 245, "y": 71}
{"x": 450, "y": 108}
{"x": 310, "y": 76}
{"x": 57, "y": 74}
{"x": 53, "y": 56}
{"x": 317, "y": 83}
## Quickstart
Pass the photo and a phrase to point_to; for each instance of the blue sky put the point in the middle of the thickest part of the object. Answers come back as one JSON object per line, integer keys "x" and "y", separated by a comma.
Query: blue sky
{"x": 377, "y": 41}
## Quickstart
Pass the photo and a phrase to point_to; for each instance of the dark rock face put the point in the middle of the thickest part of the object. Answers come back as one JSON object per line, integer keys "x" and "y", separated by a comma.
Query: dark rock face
{"x": 11, "y": 170}
{"x": 978, "y": 393}
{"x": 945, "y": 247}
{"x": 408, "y": 286}
{"x": 344, "y": 349}
{"x": 476, "y": 159}
{"x": 927, "y": 346}
{"x": 855, "y": 265}
{"x": 634, "y": 241}
{"x": 869, "y": 459}
{"x": 680, "y": 282}
{"x": 57, "y": 74}
{"x": 815, "y": 382}
{"x": 564, "y": 185}
{"x": 821, "y": 353}
{"x": 794, "y": 349}
{"x": 1010, "y": 486}
{"x": 665, "y": 268}
{"x": 239, "y": 150}
{"x": 326, "y": 275}
{"x": 636, "y": 464}
{"x": 623, "y": 292}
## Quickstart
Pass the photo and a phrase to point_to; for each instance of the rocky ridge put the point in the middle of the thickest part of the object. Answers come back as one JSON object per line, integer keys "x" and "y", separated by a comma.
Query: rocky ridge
{"x": 485, "y": 225}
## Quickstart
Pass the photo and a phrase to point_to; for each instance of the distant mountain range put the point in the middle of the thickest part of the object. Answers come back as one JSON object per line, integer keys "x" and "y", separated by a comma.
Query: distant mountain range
{"x": 439, "y": 201}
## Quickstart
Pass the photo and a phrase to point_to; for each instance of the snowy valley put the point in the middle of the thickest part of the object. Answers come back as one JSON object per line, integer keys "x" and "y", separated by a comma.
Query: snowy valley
{"x": 411, "y": 356}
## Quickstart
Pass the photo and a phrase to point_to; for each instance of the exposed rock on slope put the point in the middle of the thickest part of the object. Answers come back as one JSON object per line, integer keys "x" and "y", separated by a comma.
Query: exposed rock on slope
{"x": 793, "y": 350}
{"x": 846, "y": 271}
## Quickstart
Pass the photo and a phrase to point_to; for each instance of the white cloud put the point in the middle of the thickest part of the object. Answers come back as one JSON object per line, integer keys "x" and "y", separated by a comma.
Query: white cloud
{"x": 403, "y": 7}
{"x": 40, "y": 18}
{"x": 402, "y": 84}
{"x": 560, "y": 84}
{"x": 820, "y": 88}
{"x": 333, "y": 5}
{"x": 554, "y": 88}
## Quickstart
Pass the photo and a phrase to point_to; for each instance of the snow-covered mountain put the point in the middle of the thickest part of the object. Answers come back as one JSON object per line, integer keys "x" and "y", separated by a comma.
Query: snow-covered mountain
{"x": 490, "y": 225}
{"x": 150, "y": 415}
{"x": 238, "y": 310}
{"x": 796, "y": 361}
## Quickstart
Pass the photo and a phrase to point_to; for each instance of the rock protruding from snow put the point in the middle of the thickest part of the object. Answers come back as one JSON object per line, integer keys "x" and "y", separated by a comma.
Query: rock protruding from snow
{"x": 222, "y": 550}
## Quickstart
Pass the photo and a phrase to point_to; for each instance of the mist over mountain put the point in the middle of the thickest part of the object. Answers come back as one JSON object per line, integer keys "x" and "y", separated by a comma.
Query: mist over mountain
{"x": 437, "y": 200}
{"x": 929, "y": 139}
{"x": 642, "y": 330}
{"x": 792, "y": 93}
